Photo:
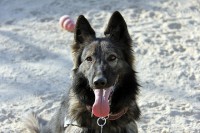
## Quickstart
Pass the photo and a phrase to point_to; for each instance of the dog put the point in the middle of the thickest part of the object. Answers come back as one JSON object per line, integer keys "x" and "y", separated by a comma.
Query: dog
{"x": 103, "y": 94}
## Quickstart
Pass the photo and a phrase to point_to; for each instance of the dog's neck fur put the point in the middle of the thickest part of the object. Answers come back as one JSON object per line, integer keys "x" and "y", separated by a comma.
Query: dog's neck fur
{"x": 78, "y": 112}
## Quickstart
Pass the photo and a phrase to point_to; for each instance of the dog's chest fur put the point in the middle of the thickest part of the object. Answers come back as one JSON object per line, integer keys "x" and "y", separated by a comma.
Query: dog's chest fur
{"x": 76, "y": 111}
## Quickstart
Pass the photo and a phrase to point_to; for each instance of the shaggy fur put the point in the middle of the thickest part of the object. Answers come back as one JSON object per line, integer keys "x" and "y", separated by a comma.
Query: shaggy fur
{"x": 109, "y": 59}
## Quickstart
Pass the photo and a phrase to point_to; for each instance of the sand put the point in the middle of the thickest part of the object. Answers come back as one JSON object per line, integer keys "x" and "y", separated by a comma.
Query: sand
{"x": 35, "y": 60}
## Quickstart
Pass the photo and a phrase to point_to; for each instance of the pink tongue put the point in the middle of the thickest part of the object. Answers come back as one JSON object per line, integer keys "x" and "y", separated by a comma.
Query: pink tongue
{"x": 101, "y": 106}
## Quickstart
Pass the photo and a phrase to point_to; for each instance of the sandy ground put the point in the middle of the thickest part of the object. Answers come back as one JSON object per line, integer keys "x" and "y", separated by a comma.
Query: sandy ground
{"x": 35, "y": 61}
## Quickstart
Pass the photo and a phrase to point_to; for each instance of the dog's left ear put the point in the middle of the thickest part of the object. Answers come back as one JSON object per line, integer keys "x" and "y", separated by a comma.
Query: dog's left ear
{"x": 117, "y": 28}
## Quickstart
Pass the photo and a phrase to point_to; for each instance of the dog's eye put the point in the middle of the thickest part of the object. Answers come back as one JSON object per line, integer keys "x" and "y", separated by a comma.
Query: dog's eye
{"x": 112, "y": 58}
{"x": 89, "y": 58}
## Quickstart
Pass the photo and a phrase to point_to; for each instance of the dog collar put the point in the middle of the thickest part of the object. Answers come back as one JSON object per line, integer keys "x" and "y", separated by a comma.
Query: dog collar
{"x": 112, "y": 116}
{"x": 118, "y": 115}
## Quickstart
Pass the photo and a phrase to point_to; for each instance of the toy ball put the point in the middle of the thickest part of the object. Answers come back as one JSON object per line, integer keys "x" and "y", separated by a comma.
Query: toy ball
{"x": 67, "y": 23}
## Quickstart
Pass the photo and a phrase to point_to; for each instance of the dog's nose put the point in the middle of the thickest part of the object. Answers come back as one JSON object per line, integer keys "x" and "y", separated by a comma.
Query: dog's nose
{"x": 99, "y": 82}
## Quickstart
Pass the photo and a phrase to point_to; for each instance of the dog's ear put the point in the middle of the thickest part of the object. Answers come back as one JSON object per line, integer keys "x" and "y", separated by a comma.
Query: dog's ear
{"x": 117, "y": 28}
{"x": 117, "y": 32}
{"x": 83, "y": 31}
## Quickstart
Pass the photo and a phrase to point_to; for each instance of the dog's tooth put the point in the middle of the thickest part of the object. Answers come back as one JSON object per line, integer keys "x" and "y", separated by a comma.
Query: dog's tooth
{"x": 92, "y": 114}
{"x": 109, "y": 102}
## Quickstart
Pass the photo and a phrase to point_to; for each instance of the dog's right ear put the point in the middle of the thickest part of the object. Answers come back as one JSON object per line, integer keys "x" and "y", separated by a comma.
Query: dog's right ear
{"x": 83, "y": 31}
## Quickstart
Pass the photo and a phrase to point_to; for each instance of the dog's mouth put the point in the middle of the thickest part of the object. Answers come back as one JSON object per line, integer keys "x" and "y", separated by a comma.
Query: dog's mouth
{"x": 101, "y": 106}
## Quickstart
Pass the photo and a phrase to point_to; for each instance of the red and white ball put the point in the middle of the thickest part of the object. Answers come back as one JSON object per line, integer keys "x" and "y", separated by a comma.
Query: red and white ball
{"x": 67, "y": 23}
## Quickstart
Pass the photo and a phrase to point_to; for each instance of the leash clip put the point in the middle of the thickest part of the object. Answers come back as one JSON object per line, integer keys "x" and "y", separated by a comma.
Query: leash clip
{"x": 101, "y": 124}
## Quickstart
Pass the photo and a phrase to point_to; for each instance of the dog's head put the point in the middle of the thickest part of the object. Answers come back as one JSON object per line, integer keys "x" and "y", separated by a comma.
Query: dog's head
{"x": 100, "y": 64}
